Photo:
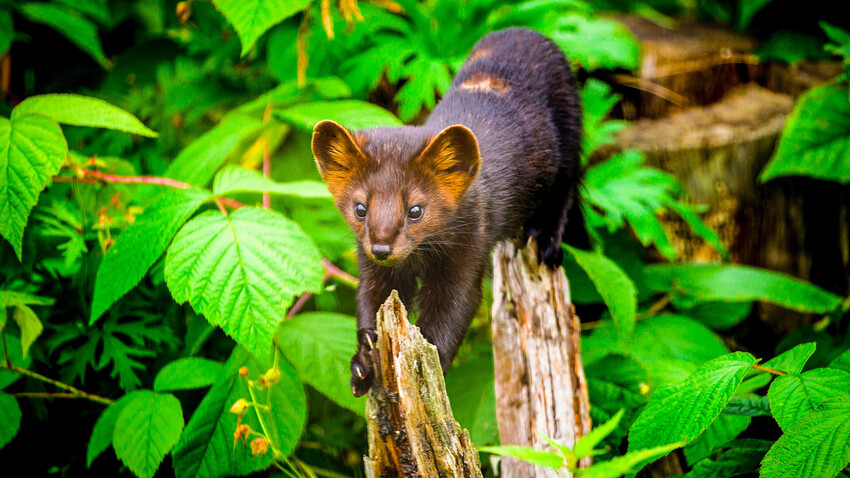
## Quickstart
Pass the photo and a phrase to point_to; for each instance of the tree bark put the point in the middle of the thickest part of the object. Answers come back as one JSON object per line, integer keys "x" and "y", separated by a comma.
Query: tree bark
{"x": 412, "y": 431}
{"x": 540, "y": 384}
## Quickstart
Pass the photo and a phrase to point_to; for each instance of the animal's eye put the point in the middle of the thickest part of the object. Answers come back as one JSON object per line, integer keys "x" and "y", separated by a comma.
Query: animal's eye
{"x": 415, "y": 213}
{"x": 360, "y": 211}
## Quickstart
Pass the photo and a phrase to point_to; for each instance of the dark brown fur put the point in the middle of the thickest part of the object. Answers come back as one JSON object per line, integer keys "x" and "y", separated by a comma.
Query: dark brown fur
{"x": 510, "y": 171}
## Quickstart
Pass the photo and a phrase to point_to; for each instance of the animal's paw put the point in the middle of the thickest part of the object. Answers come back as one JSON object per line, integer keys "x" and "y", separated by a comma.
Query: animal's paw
{"x": 549, "y": 250}
{"x": 361, "y": 364}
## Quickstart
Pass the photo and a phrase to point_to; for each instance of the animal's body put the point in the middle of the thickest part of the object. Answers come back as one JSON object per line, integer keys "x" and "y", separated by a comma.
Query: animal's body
{"x": 497, "y": 159}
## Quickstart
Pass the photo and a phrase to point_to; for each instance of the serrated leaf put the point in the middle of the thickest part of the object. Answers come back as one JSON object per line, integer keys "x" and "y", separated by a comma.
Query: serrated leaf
{"x": 32, "y": 150}
{"x": 842, "y": 362}
{"x": 146, "y": 430}
{"x": 596, "y": 42}
{"x": 323, "y": 341}
{"x": 792, "y": 361}
{"x": 793, "y": 396}
{"x": 353, "y": 114}
{"x": 628, "y": 463}
{"x": 816, "y": 139}
{"x": 241, "y": 271}
{"x": 10, "y": 418}
{"x": 234, "y": 179}
{"x": 546, "y": 459}
{"x": 735, "y": 283}
{"x": 70, "y": 24}
{"x": 207, "y": 448}
{"x": 30, "y": 326}
{"x": 682, "y": 412}
{"x": 83, "y": 111}
{"x": 742, "y": 456}
{"x": 750, "y": 405}
{"x": 187, "y": 373}
{"x": 615, "y": 287}
{"x": 251, "y": 18}
{"x": 471, "y": 388}
{"x": 586, "y": 444}
{"x": 597, "y": 101}
{"x": 137, "y": 248}
{"x": 101, "y": 435}
{"x": 723, "y": 430}
{"x": 817, "y": 445}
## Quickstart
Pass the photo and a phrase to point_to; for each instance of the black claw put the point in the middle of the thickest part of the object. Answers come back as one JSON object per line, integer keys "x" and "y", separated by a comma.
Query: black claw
{"x": 367, "y": 338}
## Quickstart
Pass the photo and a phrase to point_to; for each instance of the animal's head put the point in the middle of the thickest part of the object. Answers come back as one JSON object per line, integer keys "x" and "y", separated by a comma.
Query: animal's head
{"x": 395, "y": 186}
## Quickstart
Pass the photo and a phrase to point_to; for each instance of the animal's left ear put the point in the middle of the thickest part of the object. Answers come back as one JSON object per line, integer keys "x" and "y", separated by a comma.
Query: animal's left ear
{"x": 452, "y": 157}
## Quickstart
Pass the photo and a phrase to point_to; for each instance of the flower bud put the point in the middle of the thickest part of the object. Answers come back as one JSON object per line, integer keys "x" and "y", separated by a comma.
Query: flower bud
{"x": 240, "y": 407}
{"x": 259, "y": 446}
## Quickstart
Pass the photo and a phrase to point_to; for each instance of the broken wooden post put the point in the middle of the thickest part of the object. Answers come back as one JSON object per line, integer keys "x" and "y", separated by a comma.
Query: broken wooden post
{"x": 540, "y": 384}
{"x": 412, "y": 431}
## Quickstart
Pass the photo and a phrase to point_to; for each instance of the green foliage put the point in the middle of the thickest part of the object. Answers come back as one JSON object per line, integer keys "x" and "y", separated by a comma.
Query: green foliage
{"x": 793, "y": 396}
{"x": 187, "y": 373}
{"x": 233, "y": 179}
{"x": 352, "y": 114}
{"x": 615, "y": 287}
{"x": 10, "y": 418}
{"x": 738, "y": 458}
{"x": 83, "y": 111}
{"x": 251, "y": 18}
{"x": 104, "y": 427}
{"x": 146, "y": 430}
{"x": 6, "y": 31}
{"x": 471, "y": 387}
{"x": 76, "y": 28}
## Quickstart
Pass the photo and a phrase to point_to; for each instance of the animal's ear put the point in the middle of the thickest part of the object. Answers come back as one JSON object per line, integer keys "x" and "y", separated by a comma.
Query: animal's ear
{"x": 452, "y": 157}
{"x": 337, "y": 155}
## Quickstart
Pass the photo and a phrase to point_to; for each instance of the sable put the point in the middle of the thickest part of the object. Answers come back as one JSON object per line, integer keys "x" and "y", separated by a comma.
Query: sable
{"x": 497, "y": 159}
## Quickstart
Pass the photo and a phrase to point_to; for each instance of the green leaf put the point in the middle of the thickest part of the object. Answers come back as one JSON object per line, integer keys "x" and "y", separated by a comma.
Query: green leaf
{"x": 197, "y": 163}
{"x": 789, "y": 46}
{"x": 719, "y": 315}
{"x": 13, "y": 347}
{"x": 234, "y": 179}
{"x": 206, "y": 448}
{"x": 723, "y": 430}
{"x": 816, "y": 138}
{"x": 146, "y": 430}
{"x": 615, "y": 287}
{"x": 187, "y": 373}
{"x": 842, "y": 362}
{"x": 252, "y": 18}
{"x": 596, "y": 42}
{"x": 30, "y": 326}
{"x": 742, "y": 457}
{"x": 83, "y": 111}
{"x": 817, "y": 445}
{"x": 10, "y": 418}
{"x": 747, "y": 10}
{"x": 682, "y": 412}
{"x": 586, "y": 444}
{"x": 323, "y": 341}
{"x": 597, "y": 101}
{"x": 141, "y": 244}
{"x": 628, "y": 463}
{"x": 471, "y": 388}
{"x": 32, "y": 150}
{"x": 793, "y": 396}
{"x": 792, "y": 361}
{"x": 546, "y": 459}
{"x": 7, "y": 31}
{"x": 353, "y": 114}
{"x": 749, "y": 405}
{"x": 734, "y": 283}
{"x": 70, "y": 24}
{"x": 101, "y": 435}
{"x": 241, "y": 271}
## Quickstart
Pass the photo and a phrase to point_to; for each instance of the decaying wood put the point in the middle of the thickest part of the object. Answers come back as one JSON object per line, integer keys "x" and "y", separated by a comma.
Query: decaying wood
{"x": 540, "y": 384}
{"x": 412, "y": 431}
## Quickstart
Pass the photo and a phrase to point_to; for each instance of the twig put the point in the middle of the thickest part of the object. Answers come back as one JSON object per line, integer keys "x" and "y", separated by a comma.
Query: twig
{"x": 769, "y": 370}
{"x": 299, "y": 304}
{"x": 76, "y": 392}
{"x": 46, "y": 395}
{"x": 648, "y": 86}
{"x": 340, "y": 274}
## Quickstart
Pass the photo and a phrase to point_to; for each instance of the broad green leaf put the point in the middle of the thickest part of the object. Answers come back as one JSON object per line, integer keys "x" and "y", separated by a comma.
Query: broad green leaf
{"x": 241, "y": 271}
{"x": 101, "y": 435}
{"x": 723, "y": 430}
{"x": 233, "y": 179}
{"x": 816, "y": 138}
{"x": 353, "y": 114}
{"x": 628, "y": 463}
{"x": 734, "y": 283}
{"x": 206, "y": 448}
{"x": 749, "y": 405}
{"x": 586, "y": 444}
{"x": 323, "y": 341}
{"x": 83, "y": 111}
{"x": 471, "y": 387}
{"x": 747, "y": 10}
{"x": 596, "y": 42}
{"x": 792, "y": 361}
{"x": 546, "y": 459}
{"x": 70, "y": 24}
{"x": 615, "y": 287}
{"x": 742, "y": 457}
{"x": 32, "y": 150}
{"x": 197, "y": 163}
{"x": 842, "y": 362}
{"x": 252, "y": 18}
{"x": 30, "y": 326}
{"x": 793, "y": 396}
{"x": 682, "y": 412}
{"x": 817, "y": 445}
{"x": 13, "y": 347}
{"x": 146, "y": 430}
{"x": 7, "y": 31}
{"x": 10, "y": 418}
{"x": 187, "y": 373}
{"x": 719, "y": 315}
{"x": 141, "y": 244}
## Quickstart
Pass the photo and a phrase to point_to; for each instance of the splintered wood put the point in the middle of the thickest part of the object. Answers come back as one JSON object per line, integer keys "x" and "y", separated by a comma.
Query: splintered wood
{"x": 540, "y": 384}
{"x": 412, "y": 431}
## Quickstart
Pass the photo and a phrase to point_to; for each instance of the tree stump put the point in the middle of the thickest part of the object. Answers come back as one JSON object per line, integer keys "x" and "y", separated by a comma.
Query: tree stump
{"x": 540, "y": 384}
{"x": 412, "y": 431}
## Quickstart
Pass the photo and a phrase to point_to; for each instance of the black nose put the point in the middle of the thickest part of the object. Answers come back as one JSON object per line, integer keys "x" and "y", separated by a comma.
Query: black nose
{"x": 381, "y": 251}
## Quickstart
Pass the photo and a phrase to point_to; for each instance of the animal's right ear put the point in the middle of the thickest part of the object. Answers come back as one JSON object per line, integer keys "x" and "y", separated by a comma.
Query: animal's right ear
{"x": 337, "y": 155}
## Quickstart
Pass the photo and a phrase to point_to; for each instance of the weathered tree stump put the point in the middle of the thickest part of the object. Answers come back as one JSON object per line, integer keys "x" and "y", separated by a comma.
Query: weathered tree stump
{"x": 412, "y": 431}
{"x": 540, "y": 384}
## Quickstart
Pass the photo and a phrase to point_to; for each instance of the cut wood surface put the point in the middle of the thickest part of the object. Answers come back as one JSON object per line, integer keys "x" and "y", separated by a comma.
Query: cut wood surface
{"x": 540, "y": 384}
{"x": 412, "y": 431}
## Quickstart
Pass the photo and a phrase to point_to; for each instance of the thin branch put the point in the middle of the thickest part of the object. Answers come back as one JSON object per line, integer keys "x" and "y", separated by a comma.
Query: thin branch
{"x": 46, "y": 395}
{"x": 340, "y": 274}
{"x": 74, "y": 391}
{"x": 299, "y": 304}
{"x": 648, "y": 86}
{"x": 769, "y": 370}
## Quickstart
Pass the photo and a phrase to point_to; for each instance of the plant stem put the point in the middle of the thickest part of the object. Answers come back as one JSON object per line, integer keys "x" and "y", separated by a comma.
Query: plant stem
{"x": 340, "y": 274}
{"x": 769, "y": 370}
{"x": 266, "y": 162}
{"x": 74, "y": 392}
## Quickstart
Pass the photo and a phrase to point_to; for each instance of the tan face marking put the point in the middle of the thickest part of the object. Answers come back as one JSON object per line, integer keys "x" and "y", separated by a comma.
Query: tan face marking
{"x": 485, "y": 83}
{"x": 479, "y": 53}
